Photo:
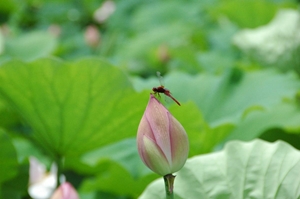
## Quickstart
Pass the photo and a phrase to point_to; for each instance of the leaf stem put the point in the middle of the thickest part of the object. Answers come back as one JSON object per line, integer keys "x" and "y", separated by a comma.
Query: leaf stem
{"x": 59, "y": 164}
{"x": 169, "y": 184}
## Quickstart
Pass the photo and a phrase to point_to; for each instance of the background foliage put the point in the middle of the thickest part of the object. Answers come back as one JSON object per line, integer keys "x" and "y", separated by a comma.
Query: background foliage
{"x": 75, "y": 78}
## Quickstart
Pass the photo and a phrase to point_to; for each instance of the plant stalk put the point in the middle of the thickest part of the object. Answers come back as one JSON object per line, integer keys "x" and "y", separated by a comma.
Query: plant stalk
{"x": 169, "y": 185}
{"x": 59, "y": 164}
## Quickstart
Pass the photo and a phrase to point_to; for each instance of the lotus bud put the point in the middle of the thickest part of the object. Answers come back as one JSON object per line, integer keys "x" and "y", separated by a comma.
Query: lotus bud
{"x": 162, "y": 141}
{"x": 65, "y": 191}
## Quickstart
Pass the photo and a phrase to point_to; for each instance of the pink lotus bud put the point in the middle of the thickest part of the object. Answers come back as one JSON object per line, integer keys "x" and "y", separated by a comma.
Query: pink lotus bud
{"x": 162, "y": 141}
{"x": 65, "y": 191}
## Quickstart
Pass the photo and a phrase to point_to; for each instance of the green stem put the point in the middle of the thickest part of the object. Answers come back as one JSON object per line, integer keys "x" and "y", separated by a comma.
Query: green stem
{"x": 59, "y": 164}
{"x": 169, "y": 184}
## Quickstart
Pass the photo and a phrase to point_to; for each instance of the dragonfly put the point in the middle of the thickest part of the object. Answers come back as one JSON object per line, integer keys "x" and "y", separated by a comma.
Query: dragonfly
{"x": 162, "y": 89}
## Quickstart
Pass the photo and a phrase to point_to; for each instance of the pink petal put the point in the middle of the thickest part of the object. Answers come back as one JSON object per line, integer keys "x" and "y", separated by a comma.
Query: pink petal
{"x": 65, "y": 191}
{"x": 158, "y": 117}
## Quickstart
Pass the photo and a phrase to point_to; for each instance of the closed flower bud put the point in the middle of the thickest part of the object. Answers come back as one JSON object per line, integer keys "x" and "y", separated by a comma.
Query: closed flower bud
{"x": 162, "y": 141}
{"x": 65, "y": 191}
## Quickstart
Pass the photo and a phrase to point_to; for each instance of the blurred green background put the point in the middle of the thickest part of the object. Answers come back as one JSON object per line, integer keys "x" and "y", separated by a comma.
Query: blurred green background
{"x": 75, "y": 78}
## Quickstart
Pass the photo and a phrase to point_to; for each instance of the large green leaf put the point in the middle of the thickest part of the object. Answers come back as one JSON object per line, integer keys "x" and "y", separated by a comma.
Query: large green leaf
{"x": 285, "y": 116}
{"x": 110, "y": 163}
{"x": 128, "y": 158}
{"x": 73, "y": 107}
{"x": 17, "y": 187}
{"x": 113, "y": 178}
{"x": 30, "y": 46}
{"x": 8, "y": 158}
{"x": 202, "y": 137}
{"x": 242, "y": 170}
{"x": 225, "y": 98}
{"x": 26, "y": 149}
{"x": 8, "y": 117}
{"x": 247, "y": 14}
